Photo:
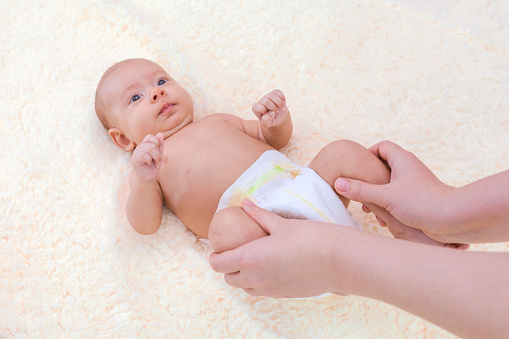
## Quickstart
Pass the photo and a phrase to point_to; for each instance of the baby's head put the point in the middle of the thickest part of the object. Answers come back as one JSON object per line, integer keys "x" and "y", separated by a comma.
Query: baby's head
{"x": 136, "y": 97}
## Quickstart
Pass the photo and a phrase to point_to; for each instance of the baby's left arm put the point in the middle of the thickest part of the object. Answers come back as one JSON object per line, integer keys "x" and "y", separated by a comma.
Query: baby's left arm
{"x": 275, "y": 120}
{"x": 274, "y": 124}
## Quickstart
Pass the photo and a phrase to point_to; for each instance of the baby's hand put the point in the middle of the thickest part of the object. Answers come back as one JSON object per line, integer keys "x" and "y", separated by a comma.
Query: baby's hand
{"x": 271, "y": 110}
{"x": 147, "y": 157}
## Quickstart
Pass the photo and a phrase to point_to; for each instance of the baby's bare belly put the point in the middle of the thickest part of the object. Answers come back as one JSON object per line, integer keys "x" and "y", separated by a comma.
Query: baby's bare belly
{"x": 199, "y": 164}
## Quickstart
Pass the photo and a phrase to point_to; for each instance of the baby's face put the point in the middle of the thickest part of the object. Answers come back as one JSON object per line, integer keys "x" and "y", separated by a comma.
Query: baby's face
{"x": 143, "y": 99}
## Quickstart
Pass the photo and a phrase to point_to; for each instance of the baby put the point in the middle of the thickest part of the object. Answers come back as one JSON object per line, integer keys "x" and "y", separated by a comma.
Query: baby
{"x": 202, "y": 170}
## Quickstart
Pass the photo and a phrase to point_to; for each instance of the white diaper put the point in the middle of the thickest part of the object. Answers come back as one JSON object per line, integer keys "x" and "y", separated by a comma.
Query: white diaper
{"x": 276, "y": 184}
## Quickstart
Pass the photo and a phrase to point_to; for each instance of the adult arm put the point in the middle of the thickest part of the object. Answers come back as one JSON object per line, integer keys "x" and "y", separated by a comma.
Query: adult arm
{"x": 474, "y": 213}
{"x": 463, "y": 292}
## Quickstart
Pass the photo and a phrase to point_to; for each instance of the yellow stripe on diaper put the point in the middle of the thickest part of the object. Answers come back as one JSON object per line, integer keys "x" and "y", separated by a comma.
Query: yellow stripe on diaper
{"x": 264, "y": 178}
{"x": 311, "y": 205}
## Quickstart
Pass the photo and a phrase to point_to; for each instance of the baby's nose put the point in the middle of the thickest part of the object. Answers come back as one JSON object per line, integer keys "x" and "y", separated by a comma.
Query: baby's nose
{"x": 156, "y": 94}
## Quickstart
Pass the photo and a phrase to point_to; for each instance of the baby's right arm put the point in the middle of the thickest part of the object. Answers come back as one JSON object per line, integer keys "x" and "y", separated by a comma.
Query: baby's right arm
{"x": 145, "y": 202}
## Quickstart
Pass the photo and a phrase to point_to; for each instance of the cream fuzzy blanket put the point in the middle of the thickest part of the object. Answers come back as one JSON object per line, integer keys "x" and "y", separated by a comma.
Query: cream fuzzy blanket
{"x": 432, "y": 76}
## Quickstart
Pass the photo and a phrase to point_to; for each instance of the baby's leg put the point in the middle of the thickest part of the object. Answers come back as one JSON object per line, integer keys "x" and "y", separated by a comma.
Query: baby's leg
{"x": 231, "y": 228}
{"x": 346, "y": 158}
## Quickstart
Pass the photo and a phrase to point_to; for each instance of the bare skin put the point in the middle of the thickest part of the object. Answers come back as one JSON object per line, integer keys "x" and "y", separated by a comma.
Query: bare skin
{"x": 232, "y": 228}
{"x": 464, "y": 292}
{"x": 187, "y": 165}
{"x": 174, "y": 158}
{"x": 459, "y": 214}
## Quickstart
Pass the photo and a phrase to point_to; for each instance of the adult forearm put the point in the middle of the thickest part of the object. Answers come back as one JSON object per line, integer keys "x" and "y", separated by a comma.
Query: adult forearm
{"x": 478, "y": 212}
{"x": 144, "y": 207}
{"x": 463, "y": 292}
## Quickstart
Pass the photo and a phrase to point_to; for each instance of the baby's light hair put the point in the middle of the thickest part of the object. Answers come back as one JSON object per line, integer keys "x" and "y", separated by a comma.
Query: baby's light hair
{"x": 99, "y": 109}
{"x": 100, "y": 104}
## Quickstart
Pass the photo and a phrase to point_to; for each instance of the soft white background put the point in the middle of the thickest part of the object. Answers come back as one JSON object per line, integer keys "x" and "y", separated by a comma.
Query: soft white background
{"x": 432, "y": 76}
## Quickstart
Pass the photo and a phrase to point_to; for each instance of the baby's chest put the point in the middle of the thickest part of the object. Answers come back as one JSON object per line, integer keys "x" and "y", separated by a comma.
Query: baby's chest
{"x": 193, "y": 179}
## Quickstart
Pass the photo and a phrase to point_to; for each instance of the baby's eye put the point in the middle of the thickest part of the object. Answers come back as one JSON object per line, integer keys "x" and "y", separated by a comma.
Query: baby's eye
{"x": 161, "y": 82}
{"x": 134, "y": 98}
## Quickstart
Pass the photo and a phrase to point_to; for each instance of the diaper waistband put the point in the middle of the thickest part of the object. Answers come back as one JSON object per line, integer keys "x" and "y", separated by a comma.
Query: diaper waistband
{"x": 269, "y": 166}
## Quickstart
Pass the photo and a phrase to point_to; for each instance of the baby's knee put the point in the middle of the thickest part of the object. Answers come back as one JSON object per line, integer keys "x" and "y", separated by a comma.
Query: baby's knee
{"x": 338, "y": 158}
{"x": 344, "y": 148}
{"x": 231, "y": 228}
{"x": 222, "y": 223}
{"x": 346, "y": 158}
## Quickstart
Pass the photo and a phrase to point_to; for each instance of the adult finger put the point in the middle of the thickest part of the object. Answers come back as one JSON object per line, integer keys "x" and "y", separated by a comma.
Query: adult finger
{"x": 226, "y": 262}
{"x": 236, "y": 280}
{"x": 380, "y": 148}
{"x": 264, "y": 218}
{"x": 384, "y": 218}
{"x": 390, "y": 153}
{"x": 361, "y": 191}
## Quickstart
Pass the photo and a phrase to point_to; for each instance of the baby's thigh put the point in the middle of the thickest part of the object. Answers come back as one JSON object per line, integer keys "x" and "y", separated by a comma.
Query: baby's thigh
{"x": 346, "y": 158}
{"x": 231, "y": 228}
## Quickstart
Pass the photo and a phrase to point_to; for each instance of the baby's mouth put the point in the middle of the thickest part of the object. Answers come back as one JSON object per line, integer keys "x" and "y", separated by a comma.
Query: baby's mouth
{"x": 167, "y": 108}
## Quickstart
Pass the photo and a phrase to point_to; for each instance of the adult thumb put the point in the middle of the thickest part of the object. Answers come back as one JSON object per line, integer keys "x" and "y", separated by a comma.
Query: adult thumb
{"x": 361, "y": 191}
{"x": 267, "y": 220}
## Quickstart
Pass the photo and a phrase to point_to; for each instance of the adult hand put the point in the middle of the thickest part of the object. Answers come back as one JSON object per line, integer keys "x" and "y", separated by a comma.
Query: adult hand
{"x": 414, "y": 196}
{"x": 287, "y": 263}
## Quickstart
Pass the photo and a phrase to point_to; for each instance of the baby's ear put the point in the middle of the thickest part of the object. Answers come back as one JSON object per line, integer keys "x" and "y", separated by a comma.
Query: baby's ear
{"x": 120, "y": 139}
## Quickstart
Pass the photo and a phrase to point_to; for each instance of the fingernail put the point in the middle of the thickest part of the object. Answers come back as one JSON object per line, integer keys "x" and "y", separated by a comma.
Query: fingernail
{"x": 284, "y": 108}
{"x": 248, "y": 202}
{"x": 342, "y": 185}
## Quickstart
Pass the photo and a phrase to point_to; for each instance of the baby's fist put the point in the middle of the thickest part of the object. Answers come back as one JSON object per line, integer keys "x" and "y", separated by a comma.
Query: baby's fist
{"x": 148, "y": 156}
{"x": 271, "y": 110}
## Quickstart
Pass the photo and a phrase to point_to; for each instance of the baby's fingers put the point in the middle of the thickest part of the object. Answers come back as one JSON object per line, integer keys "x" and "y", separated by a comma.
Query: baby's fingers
{"x": 145, "y": 153}
{"x": 267, "y": 119}
{"x": 280, "y": 95}
{"x": 277, "y": 100}
{"x": 272, "y": 102}
{"x": 152, "y": 139}
{"x": 155, "y": 155}
{"x": 141, "y": 159}
{"x": 161, "y": 142}
{"x": 259, "y": 110}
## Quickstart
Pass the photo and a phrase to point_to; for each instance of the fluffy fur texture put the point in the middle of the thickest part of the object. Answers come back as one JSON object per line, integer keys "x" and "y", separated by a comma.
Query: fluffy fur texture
{"x": 432, "y": 76}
